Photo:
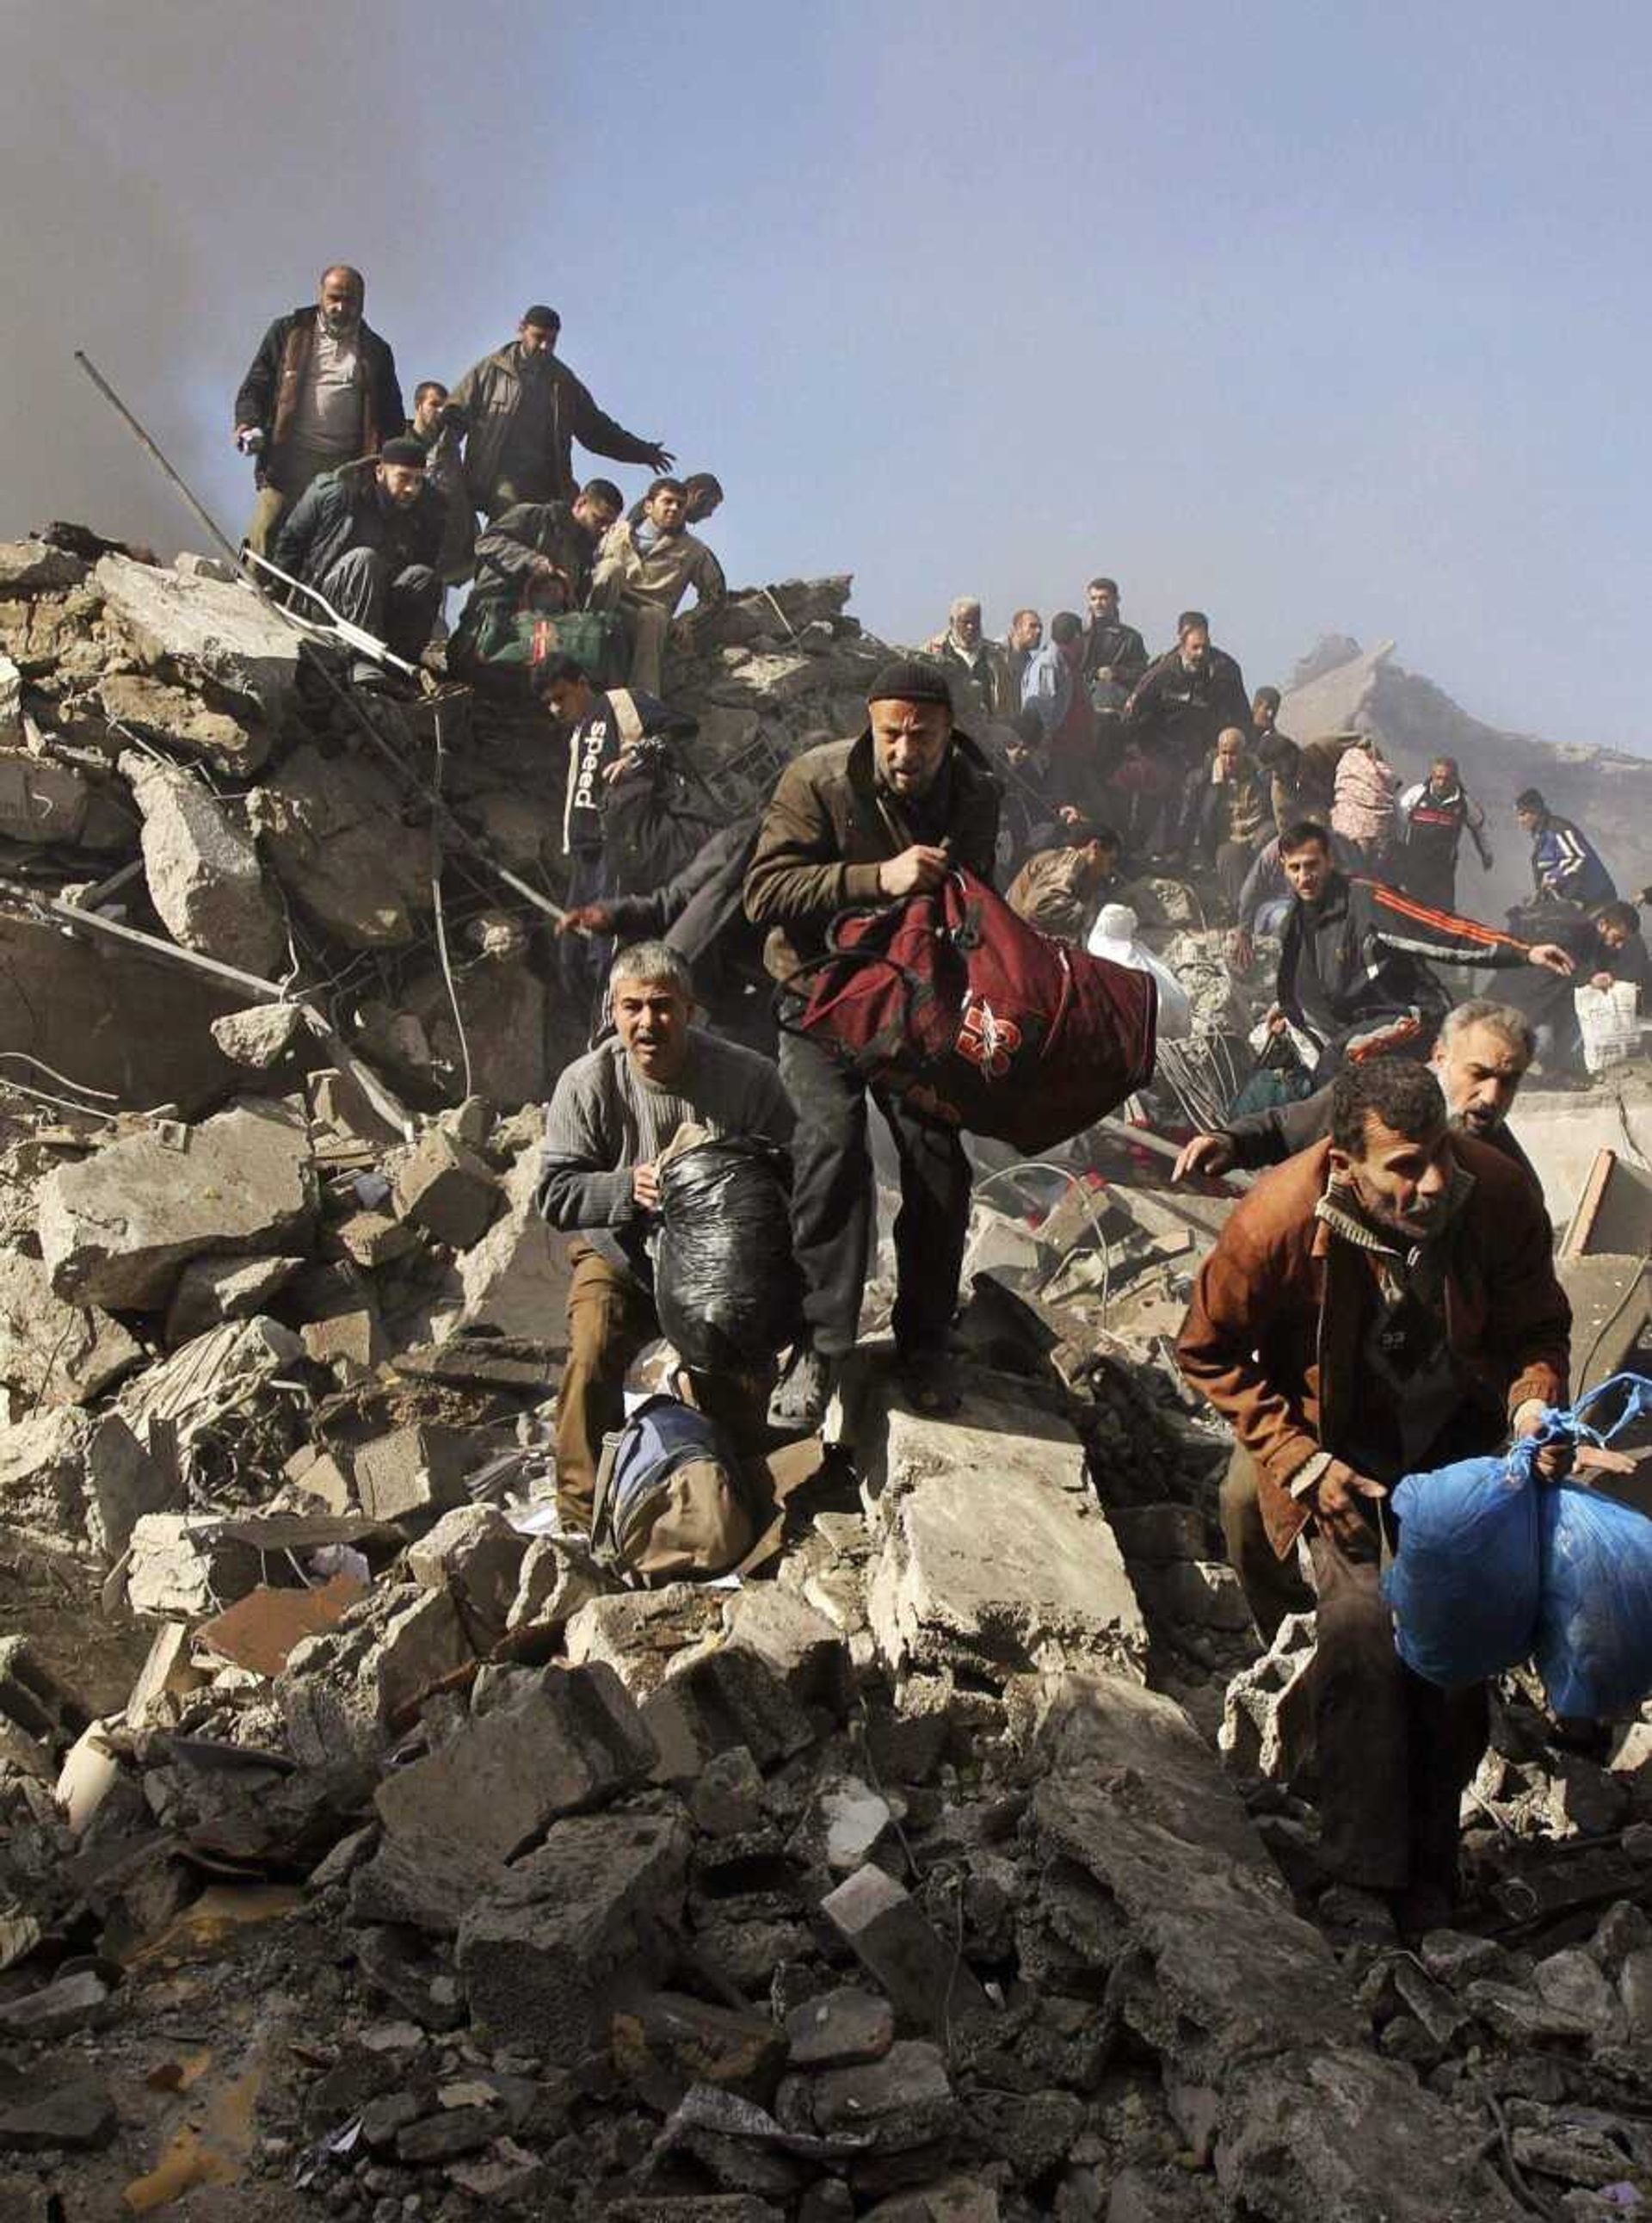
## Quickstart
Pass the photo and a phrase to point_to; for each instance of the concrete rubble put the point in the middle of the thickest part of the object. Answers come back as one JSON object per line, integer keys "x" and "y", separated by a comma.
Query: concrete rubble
{"x": 366, "y": 1850}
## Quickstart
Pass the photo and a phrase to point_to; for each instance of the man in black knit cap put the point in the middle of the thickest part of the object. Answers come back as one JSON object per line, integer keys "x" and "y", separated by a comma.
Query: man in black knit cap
{"x": 368, "y": 539}
{"x": 871, "y": 819}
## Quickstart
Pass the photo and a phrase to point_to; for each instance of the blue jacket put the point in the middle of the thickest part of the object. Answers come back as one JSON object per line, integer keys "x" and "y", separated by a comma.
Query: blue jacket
{"x": 1046, "y": 687}
{"x": 1564, "y": 863}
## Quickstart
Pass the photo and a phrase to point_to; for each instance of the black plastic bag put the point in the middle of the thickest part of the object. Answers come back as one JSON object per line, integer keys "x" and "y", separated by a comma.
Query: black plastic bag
{"x": 726, "y": 1286}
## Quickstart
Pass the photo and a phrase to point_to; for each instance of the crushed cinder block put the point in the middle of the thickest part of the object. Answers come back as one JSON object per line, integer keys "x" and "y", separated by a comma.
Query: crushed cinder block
{"x": 414, "y": 1470}
{"x": 371, "y": 1239}
{"x": 53, "y": 1353}
{"x": 543, "y": 1958}
{"x": 446, "y": 1189}
{"x": 423, "y": 1879}
{"x": 476, "y": 1555}
{"x": 571, "y": 1742}
{"x": 212, "y": 1290}
{"x": 927, "y": 1980}
{"x": 351, "y": 1343}
{"x": 42, "y": 1473}
{"x": 670, "y": 2040}
{"x": 903, "y": 2100}
{"x": 118, "y": 1227}
{"x": 123, "y": 1483}
{"x": 37, "y": 567}
{"x": 182, "y": 1567}
{"x": 845, "y": 1822}
{"x": 840, "y": 2029}
{"x": 1267, "y": 1723}
{"x": 202, "y": 869}
{"x": 722, "y": 1699}
{"x": 346, "y": 1691}
{"x": 261, "y": 1037}
{"x": 1052, "y": 1591}
{"x": 793, "y": 1638}
{"x": 638, "y": 1634}
{"x": 555, "y": 1581}
{"x": 227, "y": 633}
{"x": 514, "y": 1279}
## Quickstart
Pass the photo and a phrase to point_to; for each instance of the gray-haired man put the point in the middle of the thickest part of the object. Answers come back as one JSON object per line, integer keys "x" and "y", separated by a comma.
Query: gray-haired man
{"x": 612, "y": 1113}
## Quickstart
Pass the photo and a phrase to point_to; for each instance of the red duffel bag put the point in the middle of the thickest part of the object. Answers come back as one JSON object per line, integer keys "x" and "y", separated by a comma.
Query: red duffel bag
{"x": 978, "y": 1020}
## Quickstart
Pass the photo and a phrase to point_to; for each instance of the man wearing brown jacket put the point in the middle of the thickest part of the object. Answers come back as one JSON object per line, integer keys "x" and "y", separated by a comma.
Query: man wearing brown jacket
{"x": 1383, "y": 1304}
{"x": 870, "y": 820}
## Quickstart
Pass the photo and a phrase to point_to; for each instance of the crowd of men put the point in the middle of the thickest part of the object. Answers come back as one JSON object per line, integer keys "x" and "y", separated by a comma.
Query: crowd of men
{"x": 1382, "y": 1302}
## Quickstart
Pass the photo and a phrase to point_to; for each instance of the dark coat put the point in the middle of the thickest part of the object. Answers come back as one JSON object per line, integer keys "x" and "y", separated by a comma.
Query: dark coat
{"x": 829, "y": 827}
{"x": 341, "y": 510}
{"x": 1274, "y": 1333}
{"x": 487, "y": 397}
{"x": 507, "y": 550}
{"x": 1118, "y": 647}
{"x": 1182, "y": 712}
{"x": 269, "y": 391}
{"x": 701, "y": 912}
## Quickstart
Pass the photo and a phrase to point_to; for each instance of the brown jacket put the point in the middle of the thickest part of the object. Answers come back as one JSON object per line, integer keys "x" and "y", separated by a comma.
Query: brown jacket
{"x": 828, "y": 827}
{"x": 1053, "y": 891}
{"x": 1280, "y": 1308}
{"x": 662, "y": 574}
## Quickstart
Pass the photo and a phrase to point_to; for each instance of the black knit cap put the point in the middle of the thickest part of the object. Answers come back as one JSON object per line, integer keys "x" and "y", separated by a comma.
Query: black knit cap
{"x": 910, "y": 679}
{"x": 401, "y": 450}
{"x": 546, "y": 319}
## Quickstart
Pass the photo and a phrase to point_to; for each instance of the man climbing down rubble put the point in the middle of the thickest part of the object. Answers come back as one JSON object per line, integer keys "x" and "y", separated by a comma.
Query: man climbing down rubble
{"x": 646, "y": 569}
{"x": 612, "y": 1113}
{"x": 536, "y": 556}
{"x": 368, "y": 539}
{"x": 1353, "y": 976}
{"x": 1383, "y": 1304}
{"x": 870, "y": 820}
{"x": 1479, "y": 1061}
{"x": 320, "y": 393}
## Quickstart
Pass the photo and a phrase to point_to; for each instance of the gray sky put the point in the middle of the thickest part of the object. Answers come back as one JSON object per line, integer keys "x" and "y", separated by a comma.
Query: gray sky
{"x": 1321, "y": 318}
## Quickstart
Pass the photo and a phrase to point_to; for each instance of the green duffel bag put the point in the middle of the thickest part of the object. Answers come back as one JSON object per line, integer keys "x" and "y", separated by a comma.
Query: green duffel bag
{"x": 522, "y": 639}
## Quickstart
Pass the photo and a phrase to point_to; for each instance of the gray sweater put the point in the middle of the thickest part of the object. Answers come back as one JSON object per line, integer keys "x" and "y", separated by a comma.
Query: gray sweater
{"x": 605, "y": 1117}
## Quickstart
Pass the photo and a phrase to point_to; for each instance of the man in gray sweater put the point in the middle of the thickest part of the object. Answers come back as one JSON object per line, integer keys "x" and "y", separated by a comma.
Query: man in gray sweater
{"x": 612, "y": 1112}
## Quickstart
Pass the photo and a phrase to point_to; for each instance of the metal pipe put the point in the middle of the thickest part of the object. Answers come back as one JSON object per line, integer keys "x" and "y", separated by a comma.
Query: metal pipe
{"x": 145, "y": 442}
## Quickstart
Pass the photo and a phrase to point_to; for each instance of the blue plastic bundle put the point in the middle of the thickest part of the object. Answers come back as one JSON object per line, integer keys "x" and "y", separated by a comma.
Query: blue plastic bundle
{"x": 1463, "y": 1587}
{"x": 1594, "y": 1623}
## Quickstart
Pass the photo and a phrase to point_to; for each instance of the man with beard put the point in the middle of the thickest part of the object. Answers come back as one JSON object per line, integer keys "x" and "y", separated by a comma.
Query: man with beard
{"x": 1179, "y": 709}
{"x": 612, "y": 1113}
{"x": 368, "y": 539}
{"x": 1384, "y": 1303}
{"x": 870, "y": 820}
{"x": 321, "y": 393}
{"x": 521, "y": 410}
{"x": 980, "y": 664}
{"x": 1116, "y": 656}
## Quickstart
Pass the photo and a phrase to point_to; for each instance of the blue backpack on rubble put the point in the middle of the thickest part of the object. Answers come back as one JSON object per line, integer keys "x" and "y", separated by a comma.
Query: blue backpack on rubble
{"x": 1494, "y": 1567}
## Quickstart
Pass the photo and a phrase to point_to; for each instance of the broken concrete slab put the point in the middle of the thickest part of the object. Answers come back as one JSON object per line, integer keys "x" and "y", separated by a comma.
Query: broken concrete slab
{"x": 839, "y": 2029}
{"x": 671, "y": 2040}
{"x": 903, "y": 2100}
{"x": 1052, "y": 1592}
{"x": 203, "y": 871}
{"x": 169, "y": 1671}
{"x": 228, "y": 633}
{"x": 926, "y": 1978}
{"x": 180, "y": 720}
{"x": 793, "y": 1638}
{"x": 37, "y": 567}
{"x": 422, "y": 1879}
{"x": 572, "y": 1741}
{"x": 515, "y": 1279}
{"x": 332, "y": 829}
{"x": 53, "y": 1353}
{"x": 446, "y": 1189}
{"x": 638, "y": 1634}
{"x": 722, "y": 1699}
{"x": 194, "y": 1396}
{"x": 346, "y": 1691}
{"x": 476, "y": 1555}
{"x": 183, "y": 1567}
{"x": 260, "y": 1038}
{"x": 541, "y": 1958}
{"x": 118, "y": 1227}
{"x": 122, "y": 1484}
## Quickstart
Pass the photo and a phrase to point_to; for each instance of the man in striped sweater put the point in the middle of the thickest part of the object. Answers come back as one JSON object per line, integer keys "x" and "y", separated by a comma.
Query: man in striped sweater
{"x": 1354, "y": 959}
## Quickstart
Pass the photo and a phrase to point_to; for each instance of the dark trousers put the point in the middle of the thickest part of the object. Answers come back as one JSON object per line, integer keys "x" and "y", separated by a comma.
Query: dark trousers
{"x": 398, "y": 606}
{"x": 1393, "y": 1752}
{"x": 831, "y": 1205}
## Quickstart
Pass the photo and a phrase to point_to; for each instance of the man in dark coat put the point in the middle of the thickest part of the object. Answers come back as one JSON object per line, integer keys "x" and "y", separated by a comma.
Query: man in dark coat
{"x": 368, "y": 539}
{"x": 870, "y": 820}
{"x": 521, "y": 410}
{"x": 320, "y": 392}
{"x": 537, "y": 555}
{"x": 1180, "y": 706}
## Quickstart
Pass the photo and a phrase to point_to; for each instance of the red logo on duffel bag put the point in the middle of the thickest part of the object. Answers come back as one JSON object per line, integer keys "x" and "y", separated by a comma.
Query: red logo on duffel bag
{"x": 986, "y": 1040}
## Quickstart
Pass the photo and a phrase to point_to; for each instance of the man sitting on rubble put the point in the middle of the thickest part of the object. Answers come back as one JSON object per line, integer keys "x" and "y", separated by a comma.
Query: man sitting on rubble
{"x": 1481, "y": 1057}
{"x": 705, "y": 497}
{"x": 645, "y": 570}
{"x": 320, "y": 393}
{"x": 612, "y": 1113}
{"x": 1060, "y": 890}
{"x": 536, "y": 558}
{"x": 871, "y": 819}
{"x": 368, "y": 539}
{"x": 1384, "y": 1303}
{"x": 979, "y": 664}
{"x": 521, "y": 410}
{"x": 1230, "y": 813}
{"x": 1355, "y": 979}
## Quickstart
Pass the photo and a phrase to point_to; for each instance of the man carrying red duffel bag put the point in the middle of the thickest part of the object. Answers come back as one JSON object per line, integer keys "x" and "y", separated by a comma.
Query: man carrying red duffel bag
{"x": 905, "y": 977}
